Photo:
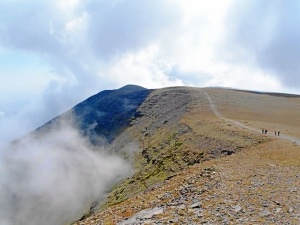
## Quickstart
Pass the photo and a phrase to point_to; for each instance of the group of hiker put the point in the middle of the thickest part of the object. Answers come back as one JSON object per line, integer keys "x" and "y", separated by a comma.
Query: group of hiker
{"x": 265, "y": 131}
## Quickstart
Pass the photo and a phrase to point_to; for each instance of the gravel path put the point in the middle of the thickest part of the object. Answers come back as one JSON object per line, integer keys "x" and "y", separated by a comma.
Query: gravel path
{"x": 213, "y": 107}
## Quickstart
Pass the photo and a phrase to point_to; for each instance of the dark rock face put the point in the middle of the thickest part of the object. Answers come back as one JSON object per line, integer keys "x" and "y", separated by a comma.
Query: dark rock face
{"x": 108, "y": 113}
{"x": 103, "y": 116}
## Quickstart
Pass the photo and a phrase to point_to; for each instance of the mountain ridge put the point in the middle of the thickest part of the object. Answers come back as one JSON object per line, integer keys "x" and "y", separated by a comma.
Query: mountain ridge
{"x": 180, "y": 138}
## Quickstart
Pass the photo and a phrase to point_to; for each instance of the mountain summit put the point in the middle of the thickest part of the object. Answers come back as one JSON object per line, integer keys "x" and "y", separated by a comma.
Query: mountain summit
{"x": 107, "y": 113}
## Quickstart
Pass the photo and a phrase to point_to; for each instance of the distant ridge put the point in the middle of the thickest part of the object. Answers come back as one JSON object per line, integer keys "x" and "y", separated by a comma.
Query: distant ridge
{"x": 276, "y": 94}
{"x": 270, "y": 93}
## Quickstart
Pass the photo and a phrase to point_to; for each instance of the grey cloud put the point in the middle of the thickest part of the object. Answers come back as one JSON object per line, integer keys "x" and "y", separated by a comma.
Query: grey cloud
{"x": 25, "y": 26}
{"x": 128, "y": 25}
{"x": 269, "y": 33}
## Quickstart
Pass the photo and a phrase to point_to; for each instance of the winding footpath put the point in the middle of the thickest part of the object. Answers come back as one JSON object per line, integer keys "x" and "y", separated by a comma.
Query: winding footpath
{"x": 237, "y": 123}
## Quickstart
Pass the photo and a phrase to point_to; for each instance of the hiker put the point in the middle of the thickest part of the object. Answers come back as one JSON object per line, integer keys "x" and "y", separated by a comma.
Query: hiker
{"x": 278, "y": 133}
{"x": 262, "y": 131}
{"x": 275, "y": 133}
{"x": 266, "y": 131}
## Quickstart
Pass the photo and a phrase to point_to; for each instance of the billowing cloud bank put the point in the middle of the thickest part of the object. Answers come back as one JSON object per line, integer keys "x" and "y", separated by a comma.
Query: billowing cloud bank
{"x": 54, "y": 178}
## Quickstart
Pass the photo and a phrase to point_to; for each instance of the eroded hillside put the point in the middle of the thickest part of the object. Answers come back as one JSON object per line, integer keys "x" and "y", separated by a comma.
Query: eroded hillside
{"x": 181, "y": 137}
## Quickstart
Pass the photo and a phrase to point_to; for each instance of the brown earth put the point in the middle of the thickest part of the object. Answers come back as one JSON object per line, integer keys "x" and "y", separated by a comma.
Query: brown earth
{"x": 199, "y": 166}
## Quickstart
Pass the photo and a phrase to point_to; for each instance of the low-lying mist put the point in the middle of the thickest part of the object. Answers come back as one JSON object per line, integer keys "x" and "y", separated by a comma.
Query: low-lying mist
{"x": 53, "y": 178}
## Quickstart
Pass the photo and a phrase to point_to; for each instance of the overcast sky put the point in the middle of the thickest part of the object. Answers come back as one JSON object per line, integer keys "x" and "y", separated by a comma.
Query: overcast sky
{"x": 56, "y": 53}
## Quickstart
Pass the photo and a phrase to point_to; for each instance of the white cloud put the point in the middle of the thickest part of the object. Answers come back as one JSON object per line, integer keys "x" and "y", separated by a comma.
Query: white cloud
{"x": 266, "y": 33}
{"x": 54, "y": 178}
{"x": 67, "y": 5}
{"x": 243, "y": 77}
{"x": 144, "y": 68}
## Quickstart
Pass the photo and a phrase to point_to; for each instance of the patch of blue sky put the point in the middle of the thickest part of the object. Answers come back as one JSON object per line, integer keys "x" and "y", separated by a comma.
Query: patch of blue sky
{"x": 14, "y": 61}
{"x": 23, "y": 76}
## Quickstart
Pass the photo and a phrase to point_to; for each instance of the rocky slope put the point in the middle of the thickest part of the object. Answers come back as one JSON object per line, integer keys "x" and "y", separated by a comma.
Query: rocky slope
{"x": 200, "y": 158}
{"x": 245, "y": 188}
{"x": 174, "y": 132}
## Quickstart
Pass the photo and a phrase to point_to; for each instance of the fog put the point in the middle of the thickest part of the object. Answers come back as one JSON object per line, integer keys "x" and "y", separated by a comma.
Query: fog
{"x": 53, "y": 178}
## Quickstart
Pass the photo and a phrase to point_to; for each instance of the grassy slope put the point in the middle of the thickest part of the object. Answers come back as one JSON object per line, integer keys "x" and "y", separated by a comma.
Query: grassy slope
{"x": 169, "y": 146}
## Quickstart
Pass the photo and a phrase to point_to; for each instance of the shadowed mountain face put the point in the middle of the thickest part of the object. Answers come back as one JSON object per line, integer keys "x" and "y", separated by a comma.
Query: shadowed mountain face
{"x": 103, "y": 116}
{"x": 108, "y": 113}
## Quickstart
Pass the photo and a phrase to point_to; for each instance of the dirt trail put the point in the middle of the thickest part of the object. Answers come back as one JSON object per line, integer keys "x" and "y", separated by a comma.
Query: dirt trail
{"x": 259, "y": 185}
{"x": 237, "y": 123}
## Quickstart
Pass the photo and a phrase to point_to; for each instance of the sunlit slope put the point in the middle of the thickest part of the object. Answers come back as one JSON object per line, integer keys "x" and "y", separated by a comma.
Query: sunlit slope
{"x": 176, "y": 129}
{"x": 272, "y": 111}
{"x": 194, "y": 138}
